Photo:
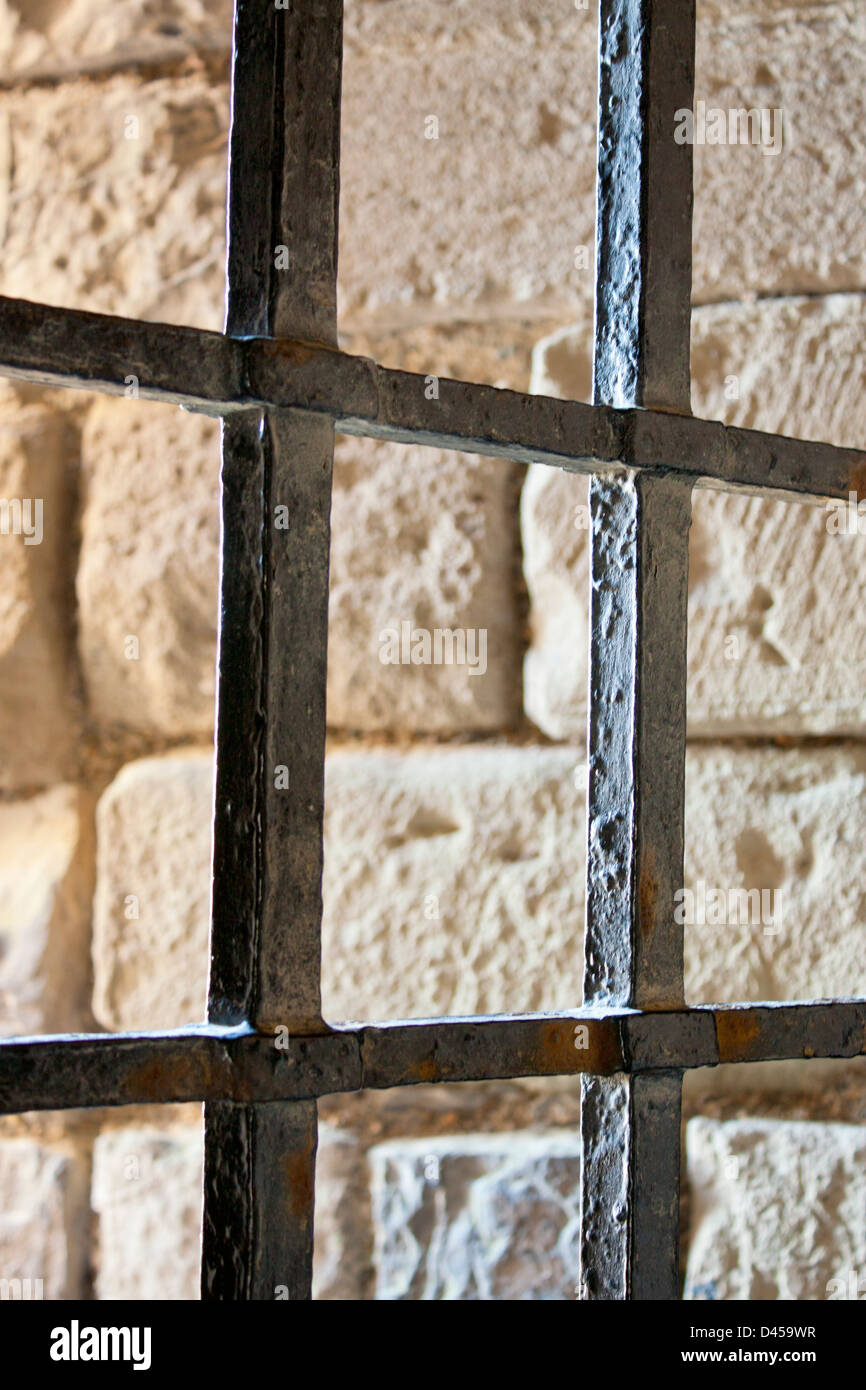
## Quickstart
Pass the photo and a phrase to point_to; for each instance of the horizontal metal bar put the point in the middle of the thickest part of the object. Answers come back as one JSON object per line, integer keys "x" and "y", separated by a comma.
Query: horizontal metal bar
{"x": 240, "y": 1065}
{"x": 218, "y": 375}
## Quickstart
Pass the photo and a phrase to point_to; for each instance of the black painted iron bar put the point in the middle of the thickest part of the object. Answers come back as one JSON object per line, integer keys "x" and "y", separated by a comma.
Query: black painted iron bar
{"x": 283, "y": 197}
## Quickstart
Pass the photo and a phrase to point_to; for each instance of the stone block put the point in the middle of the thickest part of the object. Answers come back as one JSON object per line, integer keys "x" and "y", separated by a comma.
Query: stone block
{"x": 477, "y": 1218}
{"x": 77, "y": 35}
{"x": 343, "y": 1256}
{"x": 39, "y": 715}
{"x": 423, "y": 544}
{"x": 151, "y": 907}
{"x": 46, "y": 885}
{"x": 148, "y": 574}
{"x": 777, "y": 1210}
{"x": 147, "y": 1196}
{"x": 114, "y": 196}
{"x": 43, "y": 1222}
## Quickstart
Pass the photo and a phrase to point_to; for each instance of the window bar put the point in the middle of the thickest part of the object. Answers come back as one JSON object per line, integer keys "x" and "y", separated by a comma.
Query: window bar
{"x": 265, "y": 951}
{"x": 638, "y": 614}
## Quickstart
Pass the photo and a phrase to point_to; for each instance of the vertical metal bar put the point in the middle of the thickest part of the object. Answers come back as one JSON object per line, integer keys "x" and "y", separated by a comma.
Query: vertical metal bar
{"x": 638, "y": 621}
{"x": 276, "y": 482}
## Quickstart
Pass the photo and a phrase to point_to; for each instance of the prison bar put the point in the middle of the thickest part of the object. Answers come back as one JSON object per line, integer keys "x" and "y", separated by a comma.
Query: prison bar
{"x": 223, "y": 375}
{"x": 282, "y": 265}
{"x": 630, "y": 1124}
{"x": 213, "y": 1063}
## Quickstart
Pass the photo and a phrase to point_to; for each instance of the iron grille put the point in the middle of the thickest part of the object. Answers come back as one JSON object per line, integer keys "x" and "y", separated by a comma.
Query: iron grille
{"x": 282, "y": 388}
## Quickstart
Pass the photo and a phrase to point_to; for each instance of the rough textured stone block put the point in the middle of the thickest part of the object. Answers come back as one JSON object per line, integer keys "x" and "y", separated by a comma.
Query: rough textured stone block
{"x": 36, "y": 610}
{"x": 46, "y": 883}
{"x": 115, "y": 196}
{"x": 777, "y": 1210}
{"x": 147, "y": 1195}
{"x": 454, "y": 881}
{"x": 776, "y": 641}
{"x": 463, "y": 892}
{"x": 342, "y": 1263}
{"x": 151, "y": 908}
{"x": 43, "y": 1221}
{"x": 94, "y": 35}
{"x": 489, "y": 1218}
{"x": 785, "y": 822}
{"x": 149, "y": 569}
{"x": 422, "y": 542}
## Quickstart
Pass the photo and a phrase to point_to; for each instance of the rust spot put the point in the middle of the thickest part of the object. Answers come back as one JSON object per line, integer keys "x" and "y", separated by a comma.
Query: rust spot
{"x": 857, "y": 479}
{"x": 648, "y": 893}
{"x": 300, "y": 1167}
{"x": 739, "y": 1035}
{"x": 424, "y": 1070}
{"x": 167, "y": 1078}
{"x": 567, "y": 1045}
{"x": 293, "y": 350}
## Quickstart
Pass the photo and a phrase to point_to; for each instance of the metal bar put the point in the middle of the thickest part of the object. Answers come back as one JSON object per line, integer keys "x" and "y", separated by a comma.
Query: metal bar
{"x": 638, "y": 620}
{"x": 222, "y": 375}
{"x": 282, "y": 218}
{"x": 634, "y": 949}
{"x": 229, "y": 1254}
{"x": 249, "y": 1192}
{"x": 242, "y": 1066}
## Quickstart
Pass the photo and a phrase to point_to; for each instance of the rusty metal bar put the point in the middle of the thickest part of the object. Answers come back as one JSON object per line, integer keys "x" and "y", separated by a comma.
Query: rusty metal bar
{"x": 224, "y": 375}
{"x": 239, "y": 1065}
{"x": 638, "y": 618}
{"x": 282, "y": 219}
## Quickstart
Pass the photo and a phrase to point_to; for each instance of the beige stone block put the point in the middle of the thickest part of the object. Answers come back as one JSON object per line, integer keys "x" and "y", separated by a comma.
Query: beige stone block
{"x": 489, "y": 1218}
{"x": 46, "y": 884}
{"x": 148, "y": 574}
{"x": 39, "y": 717}
{"x": 151, "y": 907}
{"x": 147, "y": 1196}
{"x": 785, "y": 823}
{"x": 343, "y": 1255}
{"x": 776, "y": 640}
{"x": 462, "y": 892}
{"x": 454, "y": 881}
{"x": 115, "y": 197}
{"x": 92, "y": 35}
{"x": 43, "y": 1221}
{"x": 422, "y": 544}
{"x": 777, "y": 1210}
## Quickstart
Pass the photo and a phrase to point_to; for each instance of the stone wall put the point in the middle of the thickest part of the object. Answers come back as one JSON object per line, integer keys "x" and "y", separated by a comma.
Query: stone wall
{"x": 455, "y": 793}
